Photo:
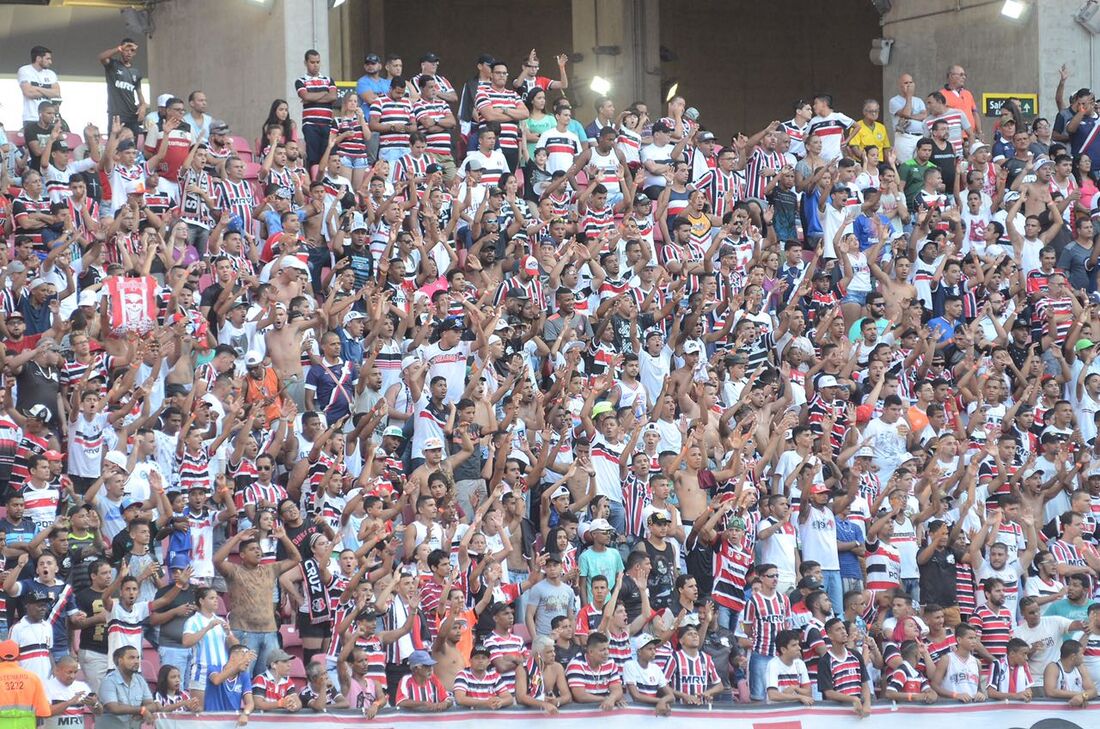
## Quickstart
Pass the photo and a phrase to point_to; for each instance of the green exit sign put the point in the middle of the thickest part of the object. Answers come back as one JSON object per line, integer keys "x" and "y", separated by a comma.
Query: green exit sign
{"x": 992, "y": 103}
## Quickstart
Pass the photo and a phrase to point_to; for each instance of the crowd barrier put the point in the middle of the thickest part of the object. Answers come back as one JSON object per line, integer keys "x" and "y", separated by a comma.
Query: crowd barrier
{"x": 989, "y": 715}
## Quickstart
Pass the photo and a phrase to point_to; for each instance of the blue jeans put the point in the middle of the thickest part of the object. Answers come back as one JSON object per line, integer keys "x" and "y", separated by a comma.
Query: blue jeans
{"x": 758, "y": 676}
{"x": 835, "y": 589}
{"x": 178, "y": 657}
{"x": 391, "y": 155}
{"x": 259, "y": 643}
{"x": 911, "y": 585}
{"x": 727, "y": 618}
{"x": 617, "y": 517}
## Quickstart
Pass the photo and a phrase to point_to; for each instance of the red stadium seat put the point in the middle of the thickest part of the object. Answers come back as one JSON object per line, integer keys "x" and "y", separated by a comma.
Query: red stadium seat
{"x": 251, "y": 171}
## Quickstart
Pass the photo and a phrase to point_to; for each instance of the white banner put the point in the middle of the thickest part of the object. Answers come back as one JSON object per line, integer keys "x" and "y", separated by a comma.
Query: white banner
{"x": 1036, "y": 715}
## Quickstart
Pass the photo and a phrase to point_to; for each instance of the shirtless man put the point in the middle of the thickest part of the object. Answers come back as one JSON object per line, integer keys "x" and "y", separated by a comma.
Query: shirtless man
{"x": 1036, "y": 195}
{"x": 692, "y": 498}
{"x": 284, "y": 346}
{"x": 434, "y": 461}
{"x": 895, "y": 288}
{"x": 449, "y": 659}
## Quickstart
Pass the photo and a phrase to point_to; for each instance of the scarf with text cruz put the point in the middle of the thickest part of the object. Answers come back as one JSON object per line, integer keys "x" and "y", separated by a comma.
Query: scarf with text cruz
{"x": 317, "y": 602}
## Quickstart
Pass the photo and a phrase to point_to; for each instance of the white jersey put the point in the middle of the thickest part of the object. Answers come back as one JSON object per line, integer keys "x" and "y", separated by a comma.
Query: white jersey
{"x": 961, "y": 677}
{"x": 449, "y": 364}
{"x": 818, "y": 536}
{"x": 781, "y": 676}
{"x": 57, "y": 693}
{"x": 35, "y": 640}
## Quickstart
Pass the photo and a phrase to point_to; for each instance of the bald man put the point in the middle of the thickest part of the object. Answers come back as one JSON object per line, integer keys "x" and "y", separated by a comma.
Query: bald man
{"x": 907, "y": 111}
{"x": 959, "y": 97}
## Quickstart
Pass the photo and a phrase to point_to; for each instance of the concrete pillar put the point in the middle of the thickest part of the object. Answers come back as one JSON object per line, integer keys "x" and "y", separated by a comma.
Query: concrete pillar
{"x": 248, "y": 56}
{"x": 633, "y": 26}
{"x": 1000, "y": 55}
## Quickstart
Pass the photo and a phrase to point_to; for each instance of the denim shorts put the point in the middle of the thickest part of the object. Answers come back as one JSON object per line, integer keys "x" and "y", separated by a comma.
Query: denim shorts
{"x": 855, "y": 297}
{"x": 356, "y": 163}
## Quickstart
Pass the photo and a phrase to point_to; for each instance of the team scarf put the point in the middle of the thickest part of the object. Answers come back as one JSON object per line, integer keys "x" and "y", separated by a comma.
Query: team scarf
{"x": 133, "y": 304}
{"x": 316, "y": 592}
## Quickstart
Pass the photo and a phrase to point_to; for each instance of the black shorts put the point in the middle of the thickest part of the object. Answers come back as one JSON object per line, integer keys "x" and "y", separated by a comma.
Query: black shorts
{"x": 306, "y": 629}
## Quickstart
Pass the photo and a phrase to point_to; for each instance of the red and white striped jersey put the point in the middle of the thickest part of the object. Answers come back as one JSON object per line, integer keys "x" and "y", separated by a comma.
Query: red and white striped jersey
{"x": 596, "y": 681}
{"x": 717, "y": 185}
{"x": 431, "y": 691}
{"x": 236, "y": 198}
{"x": 355, "y": 145}
{"x": 429, "y": 113}
{"x": 489, "y": 97}
{"x": 267, "y": 686}
{"x": 995, "y": 628}
{"x": 315, "y": 112}
{"x": 485, "y": 686}
{"x": 40, "y": 505}
{"x": 766, "y": 616}
{"x": 124, "y": 626}
{"x": 388, "y": 110}
{"x": 761, "y": 159}
{"x": 731, "y": 564}
{"x": 505, "y": 645}
{"x": 691, "y": 674}
{"x": 883, "y": 566}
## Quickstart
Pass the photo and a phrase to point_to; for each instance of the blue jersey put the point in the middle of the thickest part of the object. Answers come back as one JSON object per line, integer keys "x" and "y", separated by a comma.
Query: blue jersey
{"x": 226, "y": 696}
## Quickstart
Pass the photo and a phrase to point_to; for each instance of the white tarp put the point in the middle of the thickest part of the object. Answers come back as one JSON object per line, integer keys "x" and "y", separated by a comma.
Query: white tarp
{"x": 1036, "y": 715}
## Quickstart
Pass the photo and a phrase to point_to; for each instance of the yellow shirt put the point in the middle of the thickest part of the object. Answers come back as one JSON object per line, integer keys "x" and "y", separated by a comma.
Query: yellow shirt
{"x": 865, "y": 136}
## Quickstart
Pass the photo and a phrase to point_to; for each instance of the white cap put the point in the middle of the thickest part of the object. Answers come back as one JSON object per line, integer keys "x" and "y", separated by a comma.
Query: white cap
{"x": 494, "y": 339}
{"x": 352, "y": 316}
{"x": 978, "y": 145}
{"x": 38, "y": 282}
{"x": 641, "y": 640}
{"x": 692, "y": 347}
{"x": 162, "y": 100}
{"x": 560, "y": 491}
{"x": 253, "y": 358}
{"x": 431, "y": 444}
{"x": 865, "y": 452}
{"x": 358, "y": 222}
{"x": 117, "y": 458}
{"x": 600, "y": 525}
{"x": 826, "y": 381}
{"x": 86, "y": 298}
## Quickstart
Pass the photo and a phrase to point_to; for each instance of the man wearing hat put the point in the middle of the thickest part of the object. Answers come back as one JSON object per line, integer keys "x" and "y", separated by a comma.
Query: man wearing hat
{"x": 273, "y": 690}
{"x": 58, "y": 170}
{"x": 657, "y": 157}
{"x": 429, "y": 71}
{"x": 33, "y": 634}
{"x": 24, "y": 696}
{"x": 421, "y": 690}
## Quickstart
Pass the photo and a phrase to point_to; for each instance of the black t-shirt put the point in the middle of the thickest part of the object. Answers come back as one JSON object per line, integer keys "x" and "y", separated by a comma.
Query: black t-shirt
{"x": 171, "y": 633}
{"x": 90, "y": 602}
{"x": 662, "y": 574}
{"x": 39, "y": 386}
{"x": 35, "y": 132}
{"x": 123, "y": 83}
{"x": 944, "y": 159}
{"x": 631, "y": 598}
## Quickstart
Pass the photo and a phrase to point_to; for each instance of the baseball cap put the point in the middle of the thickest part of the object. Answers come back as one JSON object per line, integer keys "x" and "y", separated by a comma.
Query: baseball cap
{"x": 1083, "y": 344}
{"x": 600, "y": 525}
{"x": 372, "y": 58}
{"x": 516, "y": 292}
{"x": 433, "y": 167}
{"x": 129, "y": 502}
{"x": 86, "y": 298}
{"x": 40, "y": 412}
{"x": 977, "y": 146}
{"x": 473, "y": 164}
{"x": 809, "y": 583}
{"x": 433, "y": 444}
{"x": 421, "y": 658}
{"x": 126, "y": 144}
{"x": 839, "y": 188}
{"x": 451, "y": 322}
{"x": 179, "y": 561}
{"x": 641, "y": 640}
{"x": 39, "y": 596}
{"x": 9, "y": 650}
{"x": 163, "y": 99}
{"x": 393, "y": 431}
{"x": 642, "y": 199}
{"x": 865, "y": 452}
{"x": 116, "y": 458}
{"x": 531, "y": 266}
{"x": 253, "y": 358}
{"x": 277, "y": 655}
{"x": 60, "y": 146}
{"x": 481, "y": 650}
{"x": 827, "y": 381}
{"x": 219, "y": 127}
{"x": 52, "y": 455}
{"x": 706, "y": 137}
{"x": 819, "y": 488}
{"x": 352, "y": 316}
{"x": 358, "y": 222}
{"x": 659, "y": 515}
{"x": 603, "y": 406}
{"x": 429, "y": 57}
{"x": 560, "y": 491}
{"x": 38, "y": 282}
{"x": 692, "y": 347}
{"x": 16, "y": 267}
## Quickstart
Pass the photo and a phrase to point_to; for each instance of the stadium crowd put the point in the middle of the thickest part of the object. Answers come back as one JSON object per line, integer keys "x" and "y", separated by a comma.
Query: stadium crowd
{"x": 437, "y": 397}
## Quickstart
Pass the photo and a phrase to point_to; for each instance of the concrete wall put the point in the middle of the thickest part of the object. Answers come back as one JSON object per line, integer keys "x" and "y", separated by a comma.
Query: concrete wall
{"x": 75, "y": 35}
{"x": 253, "y": 54}
{"x": 742, "y": 64}
{"x": 998, "y": 54}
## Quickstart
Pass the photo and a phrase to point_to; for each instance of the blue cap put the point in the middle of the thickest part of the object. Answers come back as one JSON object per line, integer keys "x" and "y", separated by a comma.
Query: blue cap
{"x": 421, "y": 658}
{"x": 127, "y": 502}
{"x": 179, "y": 561}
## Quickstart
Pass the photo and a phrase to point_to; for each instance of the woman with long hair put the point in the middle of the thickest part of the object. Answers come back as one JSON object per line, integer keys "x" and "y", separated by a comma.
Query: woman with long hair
{"x": 278, "y": 114}
{"x": 170, "y": 694}
{"x": 538, "y": 121}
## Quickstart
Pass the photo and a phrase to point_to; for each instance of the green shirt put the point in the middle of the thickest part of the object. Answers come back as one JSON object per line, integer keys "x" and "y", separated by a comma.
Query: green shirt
{"x": 1066, "y": 609}
{"x": 912, "y": 179}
